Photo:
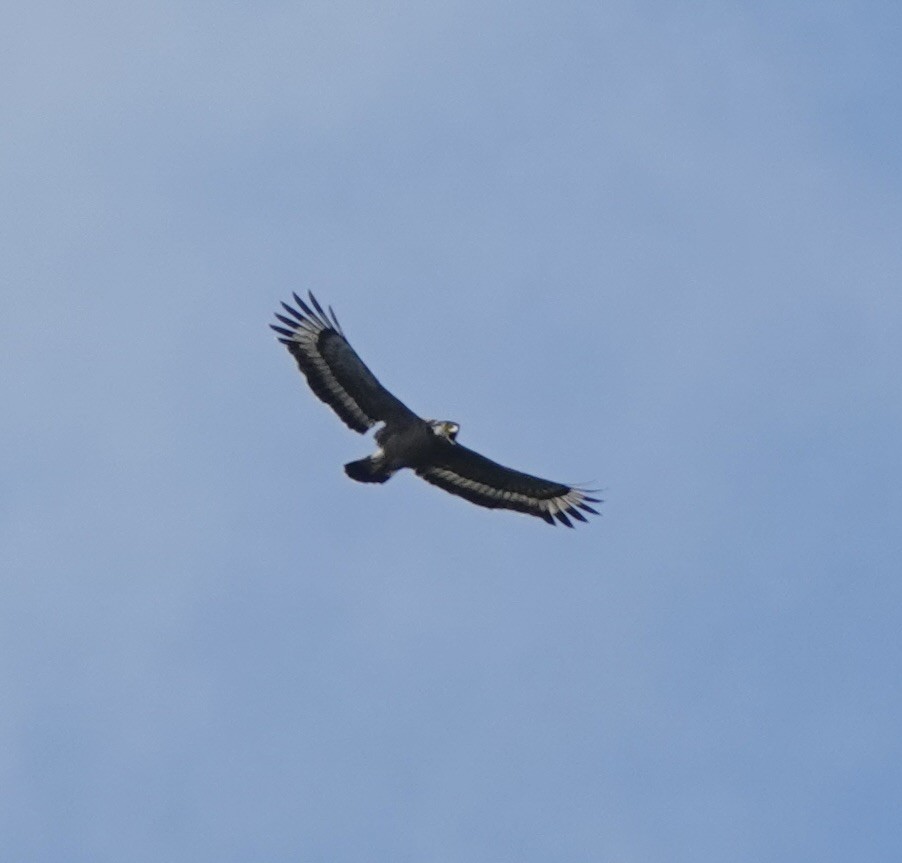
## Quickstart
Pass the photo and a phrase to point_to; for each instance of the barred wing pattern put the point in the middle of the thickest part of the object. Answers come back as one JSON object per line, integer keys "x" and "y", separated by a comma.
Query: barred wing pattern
{"x": 332, "y": 368}
{"x": 482, "y": 481}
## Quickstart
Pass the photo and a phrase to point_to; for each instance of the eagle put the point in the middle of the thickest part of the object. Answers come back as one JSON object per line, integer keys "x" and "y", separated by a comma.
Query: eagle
{"x": 428, "y": 447}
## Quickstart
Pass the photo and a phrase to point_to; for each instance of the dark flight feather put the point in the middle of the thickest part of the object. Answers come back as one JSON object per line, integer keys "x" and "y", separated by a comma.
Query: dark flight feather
{"x": 334, "y": 371}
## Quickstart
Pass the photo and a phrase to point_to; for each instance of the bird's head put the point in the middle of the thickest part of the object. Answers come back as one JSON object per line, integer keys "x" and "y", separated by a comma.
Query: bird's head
{"x": 445, "y": 429}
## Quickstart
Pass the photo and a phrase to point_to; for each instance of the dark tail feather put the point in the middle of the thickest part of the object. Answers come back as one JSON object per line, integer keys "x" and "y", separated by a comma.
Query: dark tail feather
{"x": 367, "y": 470}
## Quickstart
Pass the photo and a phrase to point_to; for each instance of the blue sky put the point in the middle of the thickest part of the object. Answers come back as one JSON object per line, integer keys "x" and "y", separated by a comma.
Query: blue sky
{"x": 651, "y": 246}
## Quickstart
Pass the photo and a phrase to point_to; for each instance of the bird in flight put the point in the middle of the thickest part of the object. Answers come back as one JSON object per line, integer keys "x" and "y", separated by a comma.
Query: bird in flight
{"x": 429, "y": 447}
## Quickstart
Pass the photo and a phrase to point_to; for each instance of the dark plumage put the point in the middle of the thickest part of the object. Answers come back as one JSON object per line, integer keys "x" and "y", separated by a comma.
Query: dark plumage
{"x": 429, "y": 447}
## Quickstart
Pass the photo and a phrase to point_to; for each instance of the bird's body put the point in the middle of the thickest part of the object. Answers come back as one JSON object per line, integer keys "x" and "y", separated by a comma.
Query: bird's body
{"x": 429, "y": 447}
{"x": 409, "y": 443}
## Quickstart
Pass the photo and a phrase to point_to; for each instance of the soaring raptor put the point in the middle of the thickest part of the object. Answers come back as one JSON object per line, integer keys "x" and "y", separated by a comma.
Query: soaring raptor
{"x": 429, "y": 447}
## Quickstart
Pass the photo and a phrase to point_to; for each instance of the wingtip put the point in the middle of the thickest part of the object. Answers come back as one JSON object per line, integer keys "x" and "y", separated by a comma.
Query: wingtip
{"x": 303, "y": 306}
{"x": 293, "y": 312}
{"x": 338, "y": 328}
{"x": 289, "y": 322}
{"x": 317, "y": 306}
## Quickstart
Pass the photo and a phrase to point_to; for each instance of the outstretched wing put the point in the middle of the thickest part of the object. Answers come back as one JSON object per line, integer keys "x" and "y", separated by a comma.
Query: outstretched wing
{"x": 334, "y": 371}
{"x": 482, "y": 481}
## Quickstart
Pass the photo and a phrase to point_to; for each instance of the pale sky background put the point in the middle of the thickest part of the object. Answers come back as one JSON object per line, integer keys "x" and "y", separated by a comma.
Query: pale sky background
{"x": 647, "y": 245}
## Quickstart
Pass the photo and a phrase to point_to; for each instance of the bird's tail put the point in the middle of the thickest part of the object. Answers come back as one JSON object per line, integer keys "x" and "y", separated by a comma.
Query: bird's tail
{"x": 369, "y": 469}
